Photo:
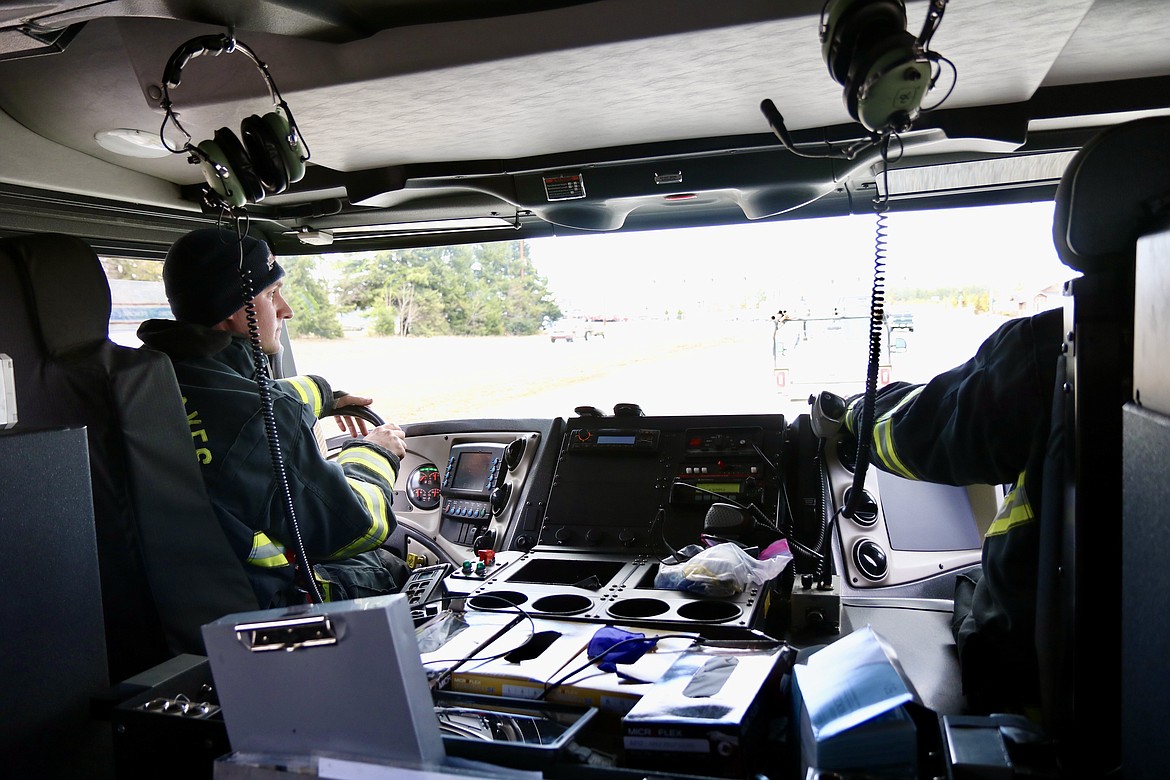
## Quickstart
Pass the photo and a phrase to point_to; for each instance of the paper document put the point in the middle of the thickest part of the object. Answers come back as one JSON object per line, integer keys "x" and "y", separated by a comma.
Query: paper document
{"x": 853, "y": 680}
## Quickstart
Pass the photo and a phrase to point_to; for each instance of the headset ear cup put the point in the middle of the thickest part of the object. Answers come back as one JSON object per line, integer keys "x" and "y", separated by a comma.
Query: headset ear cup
{"x": 218, "y": 174}
{"x": 852, "y": 25}
{"x": 887, "y": 81}
{"x": 240, "y": 165}
{"x": 289, "y": 144}
{"x": 860, "y": 69}
{"x": 263, "y": 147}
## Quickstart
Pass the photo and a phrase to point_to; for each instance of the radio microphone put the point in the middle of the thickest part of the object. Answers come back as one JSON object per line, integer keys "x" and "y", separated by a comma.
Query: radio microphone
{"x": 721, "y": 517}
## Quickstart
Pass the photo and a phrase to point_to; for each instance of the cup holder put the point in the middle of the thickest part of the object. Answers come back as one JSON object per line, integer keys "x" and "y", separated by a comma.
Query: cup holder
{"x": 638, "y": 608}
{"x": 500, "y": 599}
{"x": 709, "y": 611}
{"x": 562, "y": 604}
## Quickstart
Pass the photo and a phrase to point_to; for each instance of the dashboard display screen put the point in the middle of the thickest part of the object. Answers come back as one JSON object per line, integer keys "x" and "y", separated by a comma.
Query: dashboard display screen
{"x": 627, "y": 439}
{"x": 471, "y": 471}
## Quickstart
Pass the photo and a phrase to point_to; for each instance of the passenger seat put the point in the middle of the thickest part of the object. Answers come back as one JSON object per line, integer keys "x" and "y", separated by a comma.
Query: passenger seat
{"x": 166, "y": 567}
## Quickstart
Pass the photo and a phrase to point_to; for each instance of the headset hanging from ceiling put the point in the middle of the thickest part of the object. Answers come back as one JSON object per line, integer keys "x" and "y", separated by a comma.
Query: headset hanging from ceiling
{"x": 266, "y": 157}
{"x": 886, "y": 71}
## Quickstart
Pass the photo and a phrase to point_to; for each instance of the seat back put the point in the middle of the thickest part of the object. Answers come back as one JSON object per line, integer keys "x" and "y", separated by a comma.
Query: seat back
{"x": 1109, "y": 196}
{"x": 166, "y": 567}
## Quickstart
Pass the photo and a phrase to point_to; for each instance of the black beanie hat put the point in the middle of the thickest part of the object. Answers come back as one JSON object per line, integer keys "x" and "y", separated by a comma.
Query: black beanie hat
{"x": 202, "y": 274}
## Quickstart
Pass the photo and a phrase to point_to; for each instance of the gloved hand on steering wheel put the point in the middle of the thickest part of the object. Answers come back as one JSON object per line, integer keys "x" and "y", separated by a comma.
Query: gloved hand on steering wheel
{"x": 355, "y": 417}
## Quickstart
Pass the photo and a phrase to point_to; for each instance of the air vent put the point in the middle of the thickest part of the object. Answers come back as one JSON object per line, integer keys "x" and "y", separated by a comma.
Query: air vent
{"x": 870, "y": 559}
{"x": 867, "y": 511}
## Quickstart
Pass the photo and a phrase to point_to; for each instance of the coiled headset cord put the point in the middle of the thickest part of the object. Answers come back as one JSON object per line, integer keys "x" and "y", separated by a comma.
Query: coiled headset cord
{"x": 264, "y": 387}
{"x": 876, "y": 327}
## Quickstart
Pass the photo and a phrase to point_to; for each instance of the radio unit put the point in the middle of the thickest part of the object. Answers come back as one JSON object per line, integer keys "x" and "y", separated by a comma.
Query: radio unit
{"x": 641, "y": 489}
{"x": 612, "y": 440}
{"x": 473, "y": 472}
{"x": 706, "y": 484}
{"x": 720, "y": 464}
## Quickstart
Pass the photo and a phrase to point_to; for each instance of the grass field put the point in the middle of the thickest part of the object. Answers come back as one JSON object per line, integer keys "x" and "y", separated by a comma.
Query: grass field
{"x": 668, "y": 367}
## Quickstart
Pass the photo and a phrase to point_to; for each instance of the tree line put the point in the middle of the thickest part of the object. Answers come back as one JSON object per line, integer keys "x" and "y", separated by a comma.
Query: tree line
{"x": 473, "y": 290}
{"x": 470, "y": 290}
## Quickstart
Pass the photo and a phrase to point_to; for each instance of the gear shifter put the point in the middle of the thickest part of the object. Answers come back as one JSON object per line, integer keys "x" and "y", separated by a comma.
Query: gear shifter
{"x": 827, "y": 414}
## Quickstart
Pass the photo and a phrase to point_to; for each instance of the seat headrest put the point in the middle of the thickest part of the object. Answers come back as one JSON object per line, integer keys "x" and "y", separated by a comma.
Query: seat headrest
{"x": 69, "y": 296}
{"x": 1111, "y": 193}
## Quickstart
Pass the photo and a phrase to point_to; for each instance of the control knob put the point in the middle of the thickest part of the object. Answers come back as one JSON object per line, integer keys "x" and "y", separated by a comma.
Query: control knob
{"x": 594, "y": 536}
{"x": 627, "y": 538}
{"x": 562, "y": 535}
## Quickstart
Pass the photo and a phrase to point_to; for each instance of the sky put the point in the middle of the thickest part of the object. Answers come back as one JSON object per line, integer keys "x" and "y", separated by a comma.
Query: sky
{"x": 771, "y": 265}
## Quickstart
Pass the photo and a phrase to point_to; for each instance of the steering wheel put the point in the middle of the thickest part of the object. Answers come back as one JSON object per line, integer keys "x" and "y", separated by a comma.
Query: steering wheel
{"x": 334, "y": 441}
{"x": 361, "y": 412}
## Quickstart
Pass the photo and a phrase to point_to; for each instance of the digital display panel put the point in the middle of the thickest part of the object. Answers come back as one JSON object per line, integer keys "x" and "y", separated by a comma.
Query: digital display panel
{"x": 721, "y": 487}
{"x": 603, "y": 438}
{"x": 471, "y": 471}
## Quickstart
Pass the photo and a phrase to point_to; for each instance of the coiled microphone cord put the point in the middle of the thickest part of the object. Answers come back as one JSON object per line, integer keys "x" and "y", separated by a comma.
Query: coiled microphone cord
{"x": 264, "y": 387}
{"x": 876, "y": 328}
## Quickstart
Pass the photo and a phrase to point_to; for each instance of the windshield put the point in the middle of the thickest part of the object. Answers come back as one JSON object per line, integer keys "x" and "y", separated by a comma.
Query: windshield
{"x": 736, "y": 319}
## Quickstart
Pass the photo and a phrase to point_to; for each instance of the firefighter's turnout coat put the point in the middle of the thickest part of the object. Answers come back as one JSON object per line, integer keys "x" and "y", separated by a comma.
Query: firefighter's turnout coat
{"x": 343, "y": 508}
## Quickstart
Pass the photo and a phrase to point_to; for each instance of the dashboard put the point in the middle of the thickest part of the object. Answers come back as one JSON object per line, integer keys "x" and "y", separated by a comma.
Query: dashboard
{"x": 620, "y": 489}
{"x": 905, "y": 531}
{"x": 468, "y": 484}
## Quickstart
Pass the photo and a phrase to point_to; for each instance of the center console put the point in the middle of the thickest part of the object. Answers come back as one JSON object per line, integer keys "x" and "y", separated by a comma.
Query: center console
{"x": 625, "y": 495}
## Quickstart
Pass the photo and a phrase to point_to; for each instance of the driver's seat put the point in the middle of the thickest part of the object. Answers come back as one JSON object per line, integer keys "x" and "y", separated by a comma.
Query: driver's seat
{"x": 166, "y": 567}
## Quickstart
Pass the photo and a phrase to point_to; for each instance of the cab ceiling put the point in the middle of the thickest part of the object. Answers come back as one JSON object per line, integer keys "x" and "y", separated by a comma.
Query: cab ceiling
{"x": 582, "y": 76}
{"x": 390, "y": 92}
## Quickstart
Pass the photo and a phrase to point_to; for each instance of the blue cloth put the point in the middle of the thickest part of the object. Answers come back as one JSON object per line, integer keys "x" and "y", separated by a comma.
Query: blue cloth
{"x": 618, "y": 647}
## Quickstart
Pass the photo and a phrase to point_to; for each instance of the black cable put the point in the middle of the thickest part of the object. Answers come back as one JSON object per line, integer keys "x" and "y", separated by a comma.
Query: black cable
{"x": 876, "y": 325}
{"x": 823, "y": 520}
{"x": 786, "y": 533}
{"x": 264, "y": 388}
{"x": 793, "y": 545}
{"x": 759, "y": 513}
{"x": 594, "y": 659}
{"x": 787, "y": 527}
{"x": 660, "y": 522}
{"x": 512, "y": 609}
{"x": 771, "y": 465}
{"x": 808, "y": 552}
{"x": 749, "y": 507}
{"x": 826, "y": 520}
{"x": 937, "y": 58}
{"x": 776, "y": 122}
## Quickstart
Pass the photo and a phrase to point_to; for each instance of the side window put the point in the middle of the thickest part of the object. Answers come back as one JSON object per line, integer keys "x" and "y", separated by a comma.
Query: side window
{"x": 136, "y": 293}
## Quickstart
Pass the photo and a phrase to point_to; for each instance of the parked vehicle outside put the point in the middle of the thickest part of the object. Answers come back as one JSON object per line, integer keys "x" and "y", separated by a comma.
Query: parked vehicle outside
{"x": 568, "y": 330}
{"x": 901, "y": 320}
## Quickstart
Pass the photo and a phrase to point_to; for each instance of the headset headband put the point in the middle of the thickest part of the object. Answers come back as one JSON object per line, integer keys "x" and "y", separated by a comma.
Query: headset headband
{"x": 215, "y": 45}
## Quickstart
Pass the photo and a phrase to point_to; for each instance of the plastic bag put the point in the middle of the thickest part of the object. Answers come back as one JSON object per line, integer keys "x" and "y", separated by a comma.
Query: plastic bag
{"x": 722, "y": 570}
{"x": 441, "y": 632}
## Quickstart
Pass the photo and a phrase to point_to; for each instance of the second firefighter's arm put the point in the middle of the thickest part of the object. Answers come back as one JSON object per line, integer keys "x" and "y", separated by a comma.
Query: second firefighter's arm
{"x": 974, "y": 424}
